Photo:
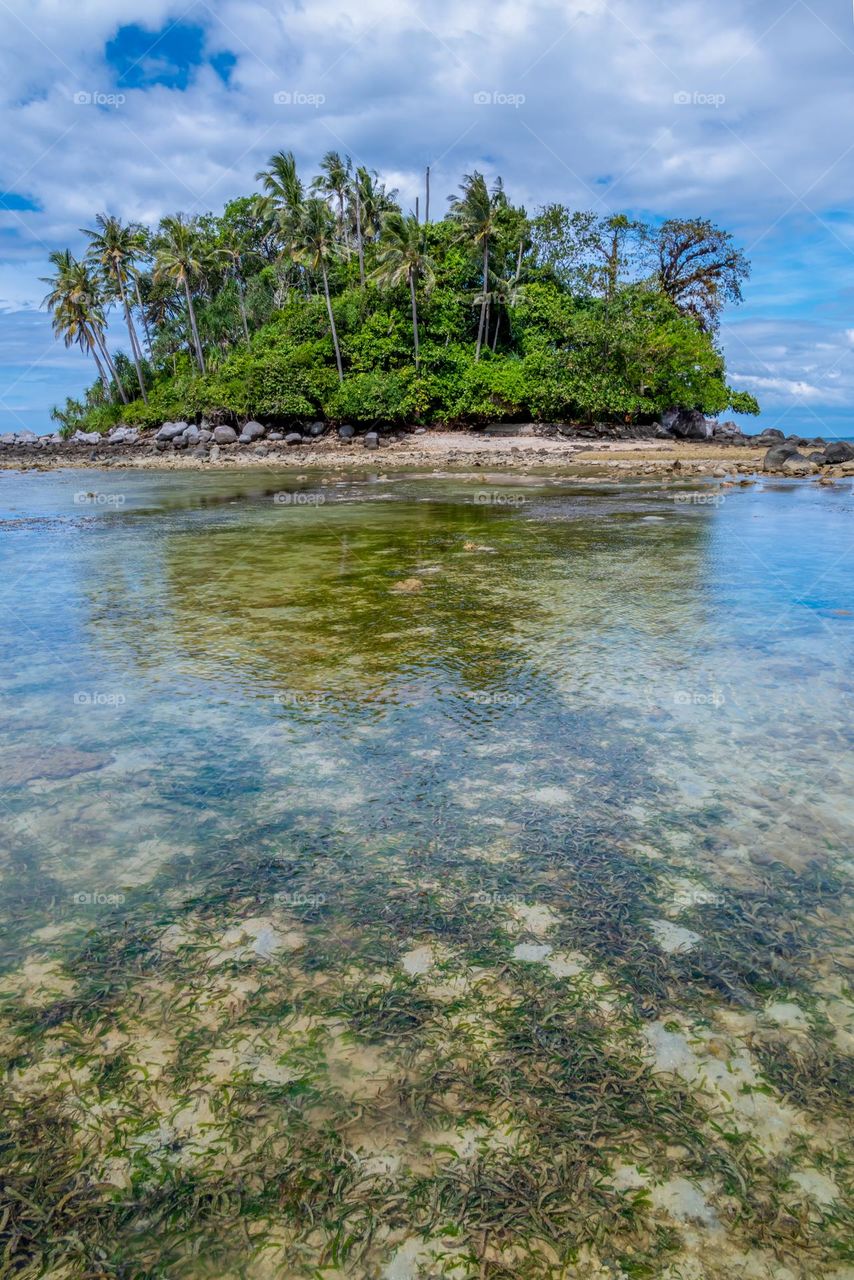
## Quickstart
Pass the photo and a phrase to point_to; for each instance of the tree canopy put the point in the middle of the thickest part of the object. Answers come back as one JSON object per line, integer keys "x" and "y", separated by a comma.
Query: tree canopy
{"x": 322, "y": 298}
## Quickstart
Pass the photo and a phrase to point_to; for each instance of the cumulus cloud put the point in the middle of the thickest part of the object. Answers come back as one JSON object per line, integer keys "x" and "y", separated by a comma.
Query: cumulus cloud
{"x": 736, "y": 112}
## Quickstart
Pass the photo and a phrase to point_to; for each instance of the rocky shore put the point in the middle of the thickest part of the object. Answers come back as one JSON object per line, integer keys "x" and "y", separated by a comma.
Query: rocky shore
{"x": 683, "y": 442}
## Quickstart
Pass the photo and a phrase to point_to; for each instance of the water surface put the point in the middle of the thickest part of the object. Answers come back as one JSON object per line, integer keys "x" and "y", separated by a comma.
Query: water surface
{"x": 414, "y": 877}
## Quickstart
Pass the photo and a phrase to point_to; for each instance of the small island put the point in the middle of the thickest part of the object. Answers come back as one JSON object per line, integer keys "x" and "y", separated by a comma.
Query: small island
{"x": 321, "y": 301}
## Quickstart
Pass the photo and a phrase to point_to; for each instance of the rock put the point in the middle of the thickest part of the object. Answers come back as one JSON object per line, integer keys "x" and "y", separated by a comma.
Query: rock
{"x": 170, "y": 430}
{"x": 838, "y": 451}
{"x": 180, "y": 442}
{"x": 162, "y": 445}
{"x": 777, "y": 455}
{"x": 200, "y": 451}
{"x": 192, "y": 436}
{"x": 720, "y": 473}
{"x": 252, "y": 431}
{"x": 30, "y": 437}
{"x": 205, "y": 434}
{"x": 224, "y": 435}
{"x": 275, "y": 435}
{"x": 86, "y": 437}
{"x": 293, "y": 437}
{"x": 770, "y": 433}
{"x": 53, "y": 763}
{"x": 420, "y": 431}
{"x": 688, "y": 424}
{"x": 346, "y": 432}
{"x": 818, "y": 458}
{"x": 214, "y": 453}
{"x": 726, "y": 431}
{"x": 372, "y": 440}
{"x": 317, "y": 429}
{"x": 123, "y": 435}
{"x": 797, "y": 465}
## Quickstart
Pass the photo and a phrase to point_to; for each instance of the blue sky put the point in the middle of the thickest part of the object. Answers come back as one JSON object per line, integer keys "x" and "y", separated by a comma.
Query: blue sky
{"x": 738, "y": 112}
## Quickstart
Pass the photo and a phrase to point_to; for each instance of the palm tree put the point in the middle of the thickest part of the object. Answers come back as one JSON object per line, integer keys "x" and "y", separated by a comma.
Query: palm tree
{"x": 315, "y": 245}
{"x": 233, "y": 248}
{"x": 284, "y": 196}
{"x": 78, "y": 312}
{"x": 179, "y": 258}
{"x": 403, "y": 256}
{"x": 113, "y": 250}
{"x": 476, "y": 212}
{"x": 334, "y": 184}
{"x": 374, "y": 202}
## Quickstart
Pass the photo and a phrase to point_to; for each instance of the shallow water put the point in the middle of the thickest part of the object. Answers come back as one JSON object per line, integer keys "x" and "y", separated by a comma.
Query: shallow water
{"x": 411, "y": 877}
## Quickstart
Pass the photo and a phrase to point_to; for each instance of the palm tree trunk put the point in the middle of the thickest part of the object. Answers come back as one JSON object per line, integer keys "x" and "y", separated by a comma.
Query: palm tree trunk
{"x": 242, "y": 309}
{"x": 495, "y": 333}
{"x": 105, "y": 381}
{"x": 99, "y": 338}
{"x": 332, "y": 321}
{"x": 427, "y": 198}
{"x": 484, "y": 298}
{"x": 142, "y": 314}
{"x": 134, "y": 341}
{"x": 199, "y": 354}
{"x": 359, "y": 238}
{"x": 414, "y": 316}
{"x": 518, "y": 263}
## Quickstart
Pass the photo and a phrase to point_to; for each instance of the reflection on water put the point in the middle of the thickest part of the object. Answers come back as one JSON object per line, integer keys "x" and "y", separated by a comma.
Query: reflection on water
{"x": 419, "y": 877}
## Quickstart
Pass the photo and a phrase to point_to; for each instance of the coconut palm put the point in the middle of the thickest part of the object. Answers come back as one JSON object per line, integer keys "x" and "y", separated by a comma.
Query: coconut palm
{"x": 403, "y": 257}
{"x": 334, "y": 185}
{"x": 233, "y": 248}
{"x": 476, "y": 212}
{"x": 374, "y": 202}
{"x": 77, "y": 306}
{"x": 284, "y": 196}
{"x": 179, "y": 258}
{"x": 315, "y": 246}
{"x": 113, "y": 250}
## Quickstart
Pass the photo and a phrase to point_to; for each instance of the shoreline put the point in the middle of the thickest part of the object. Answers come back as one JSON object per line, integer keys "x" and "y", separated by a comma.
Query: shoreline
{"x": 454, "y": 450}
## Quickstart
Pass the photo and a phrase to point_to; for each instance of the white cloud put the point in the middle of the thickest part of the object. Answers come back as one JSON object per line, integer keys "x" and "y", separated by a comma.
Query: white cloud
{"x": 599, "y": 124}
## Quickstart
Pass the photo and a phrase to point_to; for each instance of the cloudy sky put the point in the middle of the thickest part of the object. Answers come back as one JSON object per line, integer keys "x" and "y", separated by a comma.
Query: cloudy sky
{"x": 739, "y": 110}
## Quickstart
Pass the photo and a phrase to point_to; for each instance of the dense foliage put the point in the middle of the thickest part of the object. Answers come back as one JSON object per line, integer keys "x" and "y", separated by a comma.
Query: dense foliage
{"x": 329, "y": 302}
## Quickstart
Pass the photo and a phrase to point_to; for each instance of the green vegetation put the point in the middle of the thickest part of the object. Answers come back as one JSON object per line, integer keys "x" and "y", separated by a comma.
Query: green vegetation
{"x": 329, "y": 302}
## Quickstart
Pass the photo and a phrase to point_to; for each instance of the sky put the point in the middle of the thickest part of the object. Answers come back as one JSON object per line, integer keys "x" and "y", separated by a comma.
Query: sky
{"x": 739, "y": 110}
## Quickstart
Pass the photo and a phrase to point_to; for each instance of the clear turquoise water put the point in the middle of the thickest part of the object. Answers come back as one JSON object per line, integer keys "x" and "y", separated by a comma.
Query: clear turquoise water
{"x": 625, "y": 704}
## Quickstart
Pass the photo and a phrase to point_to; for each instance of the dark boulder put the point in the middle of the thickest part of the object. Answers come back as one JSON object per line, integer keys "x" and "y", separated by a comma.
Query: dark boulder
{"x": 346, "y": 432}
{"x": 688, "y": 424}
{"x": 317, "y": 429}
{"x": 293, "y": 437}
{"x": 838, "y": 451}
{"x": 224, "y": 435}
{"x": 777, "y": 455}
{"x": 372, "y": 440}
